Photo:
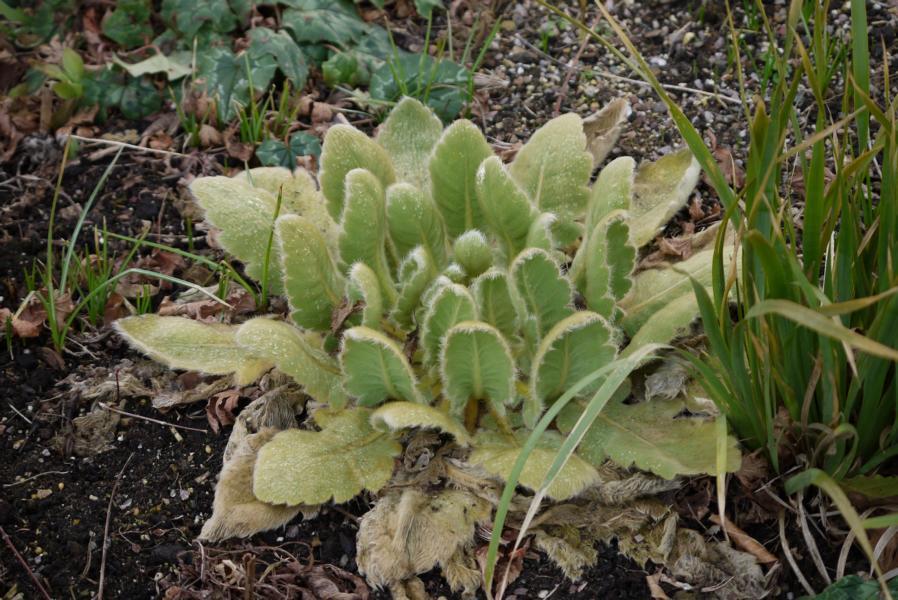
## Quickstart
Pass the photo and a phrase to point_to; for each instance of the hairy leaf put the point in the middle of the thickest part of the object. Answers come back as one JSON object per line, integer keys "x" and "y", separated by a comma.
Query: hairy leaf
{"x": 610, "y": 259}
{"x": 409, "y": 135}
{"x": 473, "y": 252}
{"x": 346, "y": 148}
{"x": 453, "y": 173}
{"x": 336, "y": 463}
{"x": 574, "y": 348}
{"x": 450, "y": 304}
{"x": 554, "y": 168}
{"x": 613, "y": 190}
{"x": 416, "y": 273}
{"x": 669, "y": 322}
{"x": 541, "y": 234}
{"x": 182, "y": 343}
{"x": 650, "y": 436}
{"x": 497, "y": 452}
{"x": 395, "y": 416}
{"x": 312, "y": 282}
{"x": 375, "y": 369}
{"x": 545, "y": 291}
{"x": 505, "y": 207}
{"x": 496, "y": 304}
{"x": 299, "y": 355}
{"x": 476, "y": 364}
{"x": 414, "y": 221}
{"x": 661, "y": 189}
{"x": 364, "y": 287}
{"x": 363, "y": 232}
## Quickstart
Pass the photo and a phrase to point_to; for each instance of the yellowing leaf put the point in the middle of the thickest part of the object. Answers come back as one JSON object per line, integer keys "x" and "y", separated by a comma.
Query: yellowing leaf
{"x": 394, "y": 416}
{"x": 661, "y": 189}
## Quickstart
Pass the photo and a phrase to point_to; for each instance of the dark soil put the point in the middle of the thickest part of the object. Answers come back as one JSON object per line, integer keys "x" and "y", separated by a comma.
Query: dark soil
{"x": 54, "y": 506}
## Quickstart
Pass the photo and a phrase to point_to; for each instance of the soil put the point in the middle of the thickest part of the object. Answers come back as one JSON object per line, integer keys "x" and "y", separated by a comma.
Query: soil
{"x": 151, "y": 489}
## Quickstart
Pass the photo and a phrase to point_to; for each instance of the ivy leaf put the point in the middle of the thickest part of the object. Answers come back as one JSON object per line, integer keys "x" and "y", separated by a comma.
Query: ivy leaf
{"x": 453, "y": 175}
{"x": 395, "y": 416}
{"x": 476, "y": 364}
{"x": 189, "y": 17}
{"x": 650, "y": 436}
{"x": 414, "y": 221}
{"x": 504, "y": 206}
{"x": 275, "y": 153}
{"x": 554, "y": 168}
{"x": 661, "y": 189}
{"x": 224, "y": 77}
{"x": 182, "y": 343}
{"x": 375, "y": 369}
{"x": 497, "y": 452}
{"x": 442, "y": 83}
{"x": 409, "y": 135}
{"x": 128, "y": 24}
{"x": 277, "y": 44}
{"x": 297, "y": 354}
{"x": 451, "y": 304}
{"x": 312, "y": 282}
{"x": 316, "y": 21}
{"x": 336, "y": 463}
{"x": 245, "y": 216}
{"x": 343, "y": 68}
{"x": 346, "y": 148}
{"x": 545, "y": 291}
{"x": 495, "y": 302}
{"x": 574, "y": 348}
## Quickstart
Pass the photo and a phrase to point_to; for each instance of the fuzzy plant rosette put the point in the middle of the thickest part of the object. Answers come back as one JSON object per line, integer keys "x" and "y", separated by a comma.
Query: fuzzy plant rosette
{"x": 439, "y": 301}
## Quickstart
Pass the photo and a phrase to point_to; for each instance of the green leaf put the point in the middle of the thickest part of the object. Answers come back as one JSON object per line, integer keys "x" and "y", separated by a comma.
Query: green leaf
{"x": 375, "y": 369}
{"x": 224, "y": 77}
{"x": 342, "y": 68}
{"x": 409, "y": 135}
{"x": 416, "y": 273}
{"x": 450, "y": 305}
{"x": 181, "y": 343}
{"x": 661, "y": 189}
{"x": 297, "y": 354}
{"x": 442, "y": 83}
{"x": 312, "y": 282}
{"x": 504, "y": 206}
{"x": 425, "y": 7}
{"x": 414, "y": 221}
{"x": 189, "y": 17}
{"x": 541, "y": 232}
{"x": 649, "y": 436}
{"x": 473, "y": 252}
{"x": 316, "y": 21}
{"x": 128, "y": 24}
{"x": 453, "y": 175}
{"x": 245, "y": 216}
{"x": 364, "y": 287}
{"x": 554, "y": 168}
{"x": 273, "y": 152}
{"x": 346, "y": 148}
{"x": 288, "y": 56}
{"x": 497, "y": 452}
{"x": 363, "y": 230}
{"x": 873, "y": 486}
{"x": 545, "y": 291}
{"x": 476, "y": 364}
{"x": 73, "y": 65}
{"x": 610, "y": 259}
{"x": 574, "y": 348}
{"x": 613, "y": 190}
{"x": 670, "y": 322}
{"x": 395, "y": 416}
{"x": 854, "y": 587}
{"x": 336, "y": 463}
{"x": 495, "y": 302}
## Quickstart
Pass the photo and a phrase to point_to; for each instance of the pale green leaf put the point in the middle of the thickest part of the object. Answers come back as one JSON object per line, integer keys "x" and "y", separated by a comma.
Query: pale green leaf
{"x": 337, "y": 463}
{"x": 413, "y": 221}
{"x": 453, "y": 174}
{"x": 364, "y": 287}
{"x": 495, "y": 302}
{"x": 346, "y": 148}
{"x": 476, "y": 364}
{"x": 497, "y": 452}
{"x": 545, "y": 291}
{"x": 300, "y": 355}
{"x": 554, "y": 168}
{"x": 650, "y": 436}
{"x": 181, "y": 343}
{"x": 416, "y": 273}
{"x": 312, "y": 282}
{"x": 661, "y": 189}
{"x": 613, "y": 190}
{"x": 610, "y": 259}
{"x": 451, "y": 304}
{"x": 375, "y": 368}
{"x": 363, "y": 229}
{"x": 395, "y": 416}
{"x": 505, "y": 207}
{"x": 669, "y": 322}
{"x": 541, "y": 234}
{"x": 409, "y": 135}
{"x": 574, "y": 348}
{"x": 245, "y": 216}
{"x": 473, "y": 252}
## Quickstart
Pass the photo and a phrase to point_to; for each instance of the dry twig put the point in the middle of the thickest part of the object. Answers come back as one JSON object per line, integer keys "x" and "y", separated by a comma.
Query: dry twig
{"x": 118, "y": 478}
{"x": 24, "y": 564}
